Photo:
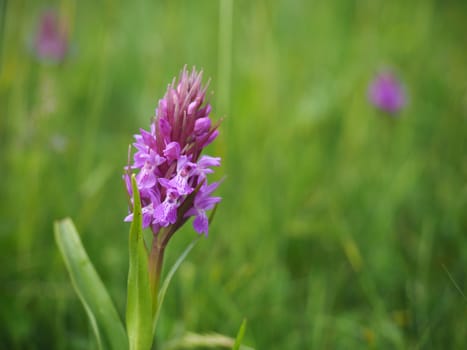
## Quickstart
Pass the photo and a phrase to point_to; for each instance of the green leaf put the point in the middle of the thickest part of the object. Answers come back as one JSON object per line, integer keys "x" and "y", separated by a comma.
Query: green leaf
{"x": 240, "y": 334}
{"x": 168, "y": 278}
{"x": 192, "y": 340}
{"x": 139, "y": 302}
{"x": 104, "y": 319}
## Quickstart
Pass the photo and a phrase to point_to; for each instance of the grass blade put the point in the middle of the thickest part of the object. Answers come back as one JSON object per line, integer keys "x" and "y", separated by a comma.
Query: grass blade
{"x": 240, "y": 334}
{"x": 168, "y": 278}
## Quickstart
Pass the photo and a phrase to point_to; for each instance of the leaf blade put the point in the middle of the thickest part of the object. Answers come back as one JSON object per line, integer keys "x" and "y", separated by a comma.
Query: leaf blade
{"x": 139, "y": 300}
{"x": 90, "y": 288}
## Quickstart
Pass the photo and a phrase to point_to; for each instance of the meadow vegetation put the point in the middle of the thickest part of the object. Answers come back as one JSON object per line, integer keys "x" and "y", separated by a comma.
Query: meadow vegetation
{"x": 341, "y": 227}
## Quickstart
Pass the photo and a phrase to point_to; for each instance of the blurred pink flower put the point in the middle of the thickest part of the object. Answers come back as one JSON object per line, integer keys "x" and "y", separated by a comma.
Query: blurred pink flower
{"x": 51, "y": 41}
{"x": 387, "y": 93}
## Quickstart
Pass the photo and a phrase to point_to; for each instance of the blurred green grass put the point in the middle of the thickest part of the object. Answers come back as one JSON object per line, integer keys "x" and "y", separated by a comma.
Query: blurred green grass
{"x": 339, "y": 227}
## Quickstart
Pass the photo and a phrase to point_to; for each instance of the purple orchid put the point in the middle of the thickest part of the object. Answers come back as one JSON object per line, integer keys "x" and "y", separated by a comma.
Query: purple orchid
{"x": 387, "y": 93}
{"x": 171, "y": 173}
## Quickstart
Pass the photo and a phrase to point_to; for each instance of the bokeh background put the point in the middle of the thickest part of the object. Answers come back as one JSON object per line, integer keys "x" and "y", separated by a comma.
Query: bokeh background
{"x": 341, "y": 227}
